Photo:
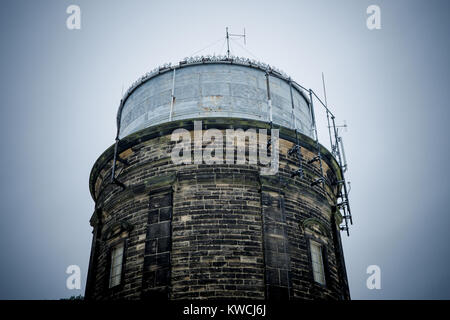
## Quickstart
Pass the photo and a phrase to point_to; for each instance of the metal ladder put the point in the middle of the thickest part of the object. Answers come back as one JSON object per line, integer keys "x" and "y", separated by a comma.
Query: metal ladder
{"x": 342, "y": 196}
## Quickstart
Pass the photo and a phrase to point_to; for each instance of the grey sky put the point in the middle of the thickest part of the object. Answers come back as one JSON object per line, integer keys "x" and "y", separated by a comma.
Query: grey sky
{"x": 60, "y": 91}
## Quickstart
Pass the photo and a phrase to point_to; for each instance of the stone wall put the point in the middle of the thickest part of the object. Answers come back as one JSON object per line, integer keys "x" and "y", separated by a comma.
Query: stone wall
{"x": 213, "y": 231}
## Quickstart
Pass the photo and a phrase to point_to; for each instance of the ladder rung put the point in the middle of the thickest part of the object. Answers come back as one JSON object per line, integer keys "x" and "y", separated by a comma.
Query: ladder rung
{"x": 338, "y": 182}
{"x": 343, "y": 203}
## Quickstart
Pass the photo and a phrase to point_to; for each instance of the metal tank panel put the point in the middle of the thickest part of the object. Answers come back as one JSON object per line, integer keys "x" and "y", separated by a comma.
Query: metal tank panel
{"x": 212, "y": 90}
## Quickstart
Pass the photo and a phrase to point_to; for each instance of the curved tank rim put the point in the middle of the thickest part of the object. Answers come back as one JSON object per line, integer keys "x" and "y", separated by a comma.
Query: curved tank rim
{"x": 203, "y": 60}
{"x": 164, "y": 128}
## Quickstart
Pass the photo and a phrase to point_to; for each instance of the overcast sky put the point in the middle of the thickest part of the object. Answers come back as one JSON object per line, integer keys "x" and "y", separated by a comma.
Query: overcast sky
{"x": 61, "y": 89}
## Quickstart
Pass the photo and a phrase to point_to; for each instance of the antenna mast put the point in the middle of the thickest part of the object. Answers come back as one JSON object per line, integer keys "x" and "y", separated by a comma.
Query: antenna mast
{"x": 228, "y": 35}
{"x": 328, "y": 114}
{"x": 228, "y": 45}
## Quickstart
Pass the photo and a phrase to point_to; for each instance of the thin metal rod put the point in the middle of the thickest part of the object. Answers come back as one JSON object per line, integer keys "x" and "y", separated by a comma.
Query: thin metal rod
{"x": 269, "y": 100}
{"x": 313, "y": 117}
{"x": 228, "y": 40}
{"x": 322, "y": 103}
{"x": 324, "y": 90}
{"x": 294, "y": 123}
{"x": 317, "y": 137}
{"x": 173, "y": 96}
{"x": 328, "y": 116}
{"x": 300, "y": 86}
{"x": 113, "y": 173}
{"x": 329, "y": 133}
{"x": 343, "y": 154}
{"x": 228, "y": 44}
{"x": 297, "y": 145}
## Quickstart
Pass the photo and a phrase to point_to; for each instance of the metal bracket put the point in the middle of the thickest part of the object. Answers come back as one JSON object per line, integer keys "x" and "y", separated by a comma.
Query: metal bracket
{"x": 298, "y": 172}
{"x": 317, "y": 181}
{"x": 117, "y": 182}
{"x": 123, "y": 161}
{"x": 316, "y": 158}
{"x": 293, "y": 149}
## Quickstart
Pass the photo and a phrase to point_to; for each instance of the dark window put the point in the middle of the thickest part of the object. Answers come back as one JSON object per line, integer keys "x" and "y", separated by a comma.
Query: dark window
{"x": 318, "y": 266}
{"x": 115, "y": 274}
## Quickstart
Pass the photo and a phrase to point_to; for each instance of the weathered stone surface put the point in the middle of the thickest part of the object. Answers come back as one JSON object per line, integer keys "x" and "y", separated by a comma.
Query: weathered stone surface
{"x": 213, "y": 231}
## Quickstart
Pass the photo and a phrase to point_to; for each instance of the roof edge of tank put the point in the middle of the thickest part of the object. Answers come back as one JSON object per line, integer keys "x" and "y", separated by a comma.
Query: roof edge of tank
{"x": 208, "y": 59}
{"x": 218, "y": 123}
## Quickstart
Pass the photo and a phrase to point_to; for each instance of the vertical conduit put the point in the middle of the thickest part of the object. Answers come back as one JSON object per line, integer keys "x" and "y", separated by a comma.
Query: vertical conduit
{"x": 294, "y": 123}
{"x": 172, "y": 100}
{"x": 319, "y": 156}
{"x": 269, "y": 99}
{"x": 297, "y": 145}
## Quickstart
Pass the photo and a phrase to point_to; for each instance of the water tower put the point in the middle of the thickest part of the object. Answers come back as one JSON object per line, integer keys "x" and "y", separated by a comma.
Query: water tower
{"x": 195, "y": 230}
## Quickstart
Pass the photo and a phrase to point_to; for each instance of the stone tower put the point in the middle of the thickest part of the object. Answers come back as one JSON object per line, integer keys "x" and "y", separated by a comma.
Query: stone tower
{"x": 197, "y": 230}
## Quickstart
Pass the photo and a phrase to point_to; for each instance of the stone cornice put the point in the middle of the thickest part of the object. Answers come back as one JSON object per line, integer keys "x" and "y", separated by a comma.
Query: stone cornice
{"x": 218, "y": 123}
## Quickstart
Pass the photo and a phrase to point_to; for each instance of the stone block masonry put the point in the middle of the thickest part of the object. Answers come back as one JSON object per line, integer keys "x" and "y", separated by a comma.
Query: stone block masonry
{"x": 224, "y": 231}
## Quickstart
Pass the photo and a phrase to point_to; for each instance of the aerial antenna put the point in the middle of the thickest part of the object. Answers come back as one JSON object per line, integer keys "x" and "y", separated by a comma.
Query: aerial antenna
{"x": 341, "y": 142}
{"x": 228, "y": 35}
{"x": 343, "y": 126}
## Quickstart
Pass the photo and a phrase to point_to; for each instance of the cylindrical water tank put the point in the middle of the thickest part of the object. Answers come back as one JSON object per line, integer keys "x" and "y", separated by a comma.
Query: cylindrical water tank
{"x": 213, "y": 89}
